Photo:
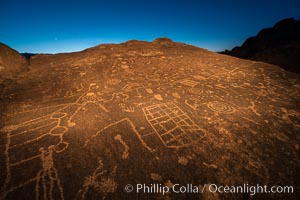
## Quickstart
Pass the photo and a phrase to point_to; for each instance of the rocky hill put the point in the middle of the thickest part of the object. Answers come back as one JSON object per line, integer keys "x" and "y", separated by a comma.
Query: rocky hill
{"x": 11, "y": 62}
{"x": 278, "y": 45}
{"x": 84, "y": 125}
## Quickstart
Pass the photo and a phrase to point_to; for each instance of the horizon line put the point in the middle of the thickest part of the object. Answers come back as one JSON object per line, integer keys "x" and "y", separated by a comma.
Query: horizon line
{"x": 84, "y": 45}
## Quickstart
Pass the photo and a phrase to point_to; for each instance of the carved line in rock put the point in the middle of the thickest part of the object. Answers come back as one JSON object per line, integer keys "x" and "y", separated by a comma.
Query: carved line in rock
{"x": 173, "y": 127}
{"x": 57, "y": 130}
{"x": 221, "y": 107}
{"x": 133, "y": 127}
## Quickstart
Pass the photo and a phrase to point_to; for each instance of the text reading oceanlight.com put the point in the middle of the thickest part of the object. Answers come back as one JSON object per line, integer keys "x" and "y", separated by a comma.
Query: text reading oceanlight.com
{"x": 213, "y": 188}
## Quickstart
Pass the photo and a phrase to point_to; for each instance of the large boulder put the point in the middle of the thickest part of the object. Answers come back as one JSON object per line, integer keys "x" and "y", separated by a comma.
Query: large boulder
{"x": 279, "y": 45}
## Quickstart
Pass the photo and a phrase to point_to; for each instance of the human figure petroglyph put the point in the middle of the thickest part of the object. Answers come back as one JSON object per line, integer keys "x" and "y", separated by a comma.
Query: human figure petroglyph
{"x": 56, "y": 128}
{"x": 253, "y": 108}
{"x": 47, "y": 178}
{"x": 47, "y": 182}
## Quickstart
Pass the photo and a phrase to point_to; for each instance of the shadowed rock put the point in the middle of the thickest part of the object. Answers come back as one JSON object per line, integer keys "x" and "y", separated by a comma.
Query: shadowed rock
{"x": 28, "y": 55}
{"x": 279, "y": 45}
{"x": 11, "y": 62}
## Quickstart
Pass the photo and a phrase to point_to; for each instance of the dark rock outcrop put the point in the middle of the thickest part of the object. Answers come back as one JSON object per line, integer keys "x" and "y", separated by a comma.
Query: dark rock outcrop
{"x": 28, "y": 55}
{"x": 279, "y": 45}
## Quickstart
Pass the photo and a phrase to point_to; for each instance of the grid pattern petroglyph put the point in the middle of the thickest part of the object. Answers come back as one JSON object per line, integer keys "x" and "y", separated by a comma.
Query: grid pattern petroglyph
{"x": 174, "y": 127}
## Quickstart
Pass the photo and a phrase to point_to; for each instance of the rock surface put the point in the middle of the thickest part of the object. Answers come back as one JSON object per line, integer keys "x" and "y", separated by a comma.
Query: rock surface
{"x": 84, "y": 125}
{"x": 11, "y": 62}
{"x": 279, "y": 45}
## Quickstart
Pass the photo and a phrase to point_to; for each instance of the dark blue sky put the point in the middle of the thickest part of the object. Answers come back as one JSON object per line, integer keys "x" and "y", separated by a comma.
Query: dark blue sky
{"x": 51, "y": 26}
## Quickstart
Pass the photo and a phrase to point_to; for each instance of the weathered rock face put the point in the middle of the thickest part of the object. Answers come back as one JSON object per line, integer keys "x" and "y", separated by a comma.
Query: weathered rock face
{"x": 84, "y": 125}
{"x": 279, "y": 45}
{"x": 11, "y": 62}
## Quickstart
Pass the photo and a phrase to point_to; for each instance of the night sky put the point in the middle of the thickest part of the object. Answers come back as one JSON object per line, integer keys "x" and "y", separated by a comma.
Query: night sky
{"x": 51, "y": 26}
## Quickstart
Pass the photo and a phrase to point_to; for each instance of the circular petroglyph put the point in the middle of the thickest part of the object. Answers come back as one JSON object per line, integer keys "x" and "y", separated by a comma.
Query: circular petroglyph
{"x": 221, "y": 107}
{"x": 60, "y": 147}
{"x": 58, "y": 130}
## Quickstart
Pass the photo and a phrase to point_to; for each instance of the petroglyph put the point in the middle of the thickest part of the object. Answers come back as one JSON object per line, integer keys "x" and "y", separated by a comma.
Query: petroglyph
{"x": 174, "y": 127}
{"x": 252, "y": 107}
{"x": 40, "y": 128}
{"x": 158, "y": 97}
{"x": 192, "y": 103}
{"x": 84, "y": 125}
{"x": 47, "y": 182}
{"x": 155, "y": 177}
{"x": 149, "y": 90}
{"x": 221, "y": 107}
{"x": 183, "y": 161}
{"x": 130, "y": 86}
{"x": 113, "y": 82}
{"x": 133, "y": 127}
{"x": 196, "y": 91}
{"x": 291, "y": 116}
{"x": 126, "y": 148}
{"x": 189, "y": 83}
{"x": 100, "y": 180}
{"x": 199, "y": 77}
{"x": 176, "y": 95}
{"x": 125, "y": 108}
{"x": 47, "y": 178}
